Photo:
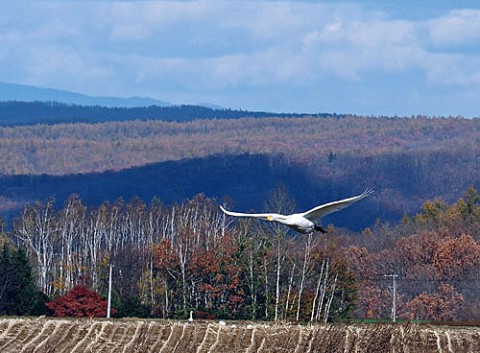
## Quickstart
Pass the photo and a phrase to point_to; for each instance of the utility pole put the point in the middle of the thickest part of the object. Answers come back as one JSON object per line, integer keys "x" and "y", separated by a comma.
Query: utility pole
{"x": 394, "y": 295}
{"x": 109, "y": 305}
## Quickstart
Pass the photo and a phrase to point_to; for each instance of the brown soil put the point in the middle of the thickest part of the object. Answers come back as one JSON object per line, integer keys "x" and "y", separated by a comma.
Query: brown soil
{"x": 44, "y": 335}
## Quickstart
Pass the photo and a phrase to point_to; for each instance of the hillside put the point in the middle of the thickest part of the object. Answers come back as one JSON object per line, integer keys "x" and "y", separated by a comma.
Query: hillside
{"x": 43, "y": 335}
{"x": 318, "y": 143}
{"x": 26, "y": 113}
{"x": 242, "y": 180}
{"x": 407, "y": 161}
{"x": 148, "y": 194}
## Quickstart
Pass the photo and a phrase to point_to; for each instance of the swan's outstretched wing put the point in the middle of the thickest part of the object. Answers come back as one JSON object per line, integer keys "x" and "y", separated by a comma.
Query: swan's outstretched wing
{"x": 323, "y": 210}
{"x": 253, "y": 215}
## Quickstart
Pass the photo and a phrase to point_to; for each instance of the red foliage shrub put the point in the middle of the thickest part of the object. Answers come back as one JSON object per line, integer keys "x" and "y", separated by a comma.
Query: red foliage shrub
{"x": 81, "y": 301}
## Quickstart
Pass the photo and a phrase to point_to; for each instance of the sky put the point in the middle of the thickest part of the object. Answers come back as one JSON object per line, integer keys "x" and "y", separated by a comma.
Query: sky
{"x": 373, "y": 57}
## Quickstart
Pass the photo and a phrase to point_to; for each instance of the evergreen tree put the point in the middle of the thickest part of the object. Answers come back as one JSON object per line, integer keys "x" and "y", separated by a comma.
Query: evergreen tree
{"x": 18, "y": 293}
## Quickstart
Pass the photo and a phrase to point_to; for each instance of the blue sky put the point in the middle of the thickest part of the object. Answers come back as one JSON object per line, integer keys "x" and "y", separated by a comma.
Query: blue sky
{"x": 364, "y": 57}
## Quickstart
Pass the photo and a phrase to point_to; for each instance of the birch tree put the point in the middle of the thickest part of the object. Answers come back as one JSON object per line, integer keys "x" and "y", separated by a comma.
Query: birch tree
{"x": 71, "y": 226}
{"x": 36, "y": 229}
{"x": 309, "y": 241}
{"x": 278, "y": 201}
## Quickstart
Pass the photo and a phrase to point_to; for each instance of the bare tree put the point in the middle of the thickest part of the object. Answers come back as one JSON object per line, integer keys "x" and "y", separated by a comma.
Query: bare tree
{"x": 280, "y": 202}
{"x": 309, "y": 242}
{"x": 71, "y": 225}
{"x": 319, "y": 291}
{"x": 37, "y": 229}
{"x": 289, "y": 290}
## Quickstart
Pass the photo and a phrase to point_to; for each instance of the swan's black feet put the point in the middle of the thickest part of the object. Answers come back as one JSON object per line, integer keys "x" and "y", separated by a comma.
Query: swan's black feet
{"x": 320, "y": 228}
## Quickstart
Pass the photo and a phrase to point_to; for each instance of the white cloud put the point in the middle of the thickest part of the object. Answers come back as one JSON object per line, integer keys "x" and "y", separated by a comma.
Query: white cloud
{"x": 143, "y": 20}
{"x": 458, "y": 27}
{"x": 453, "y": 70}
{"x": 158, "y": 47}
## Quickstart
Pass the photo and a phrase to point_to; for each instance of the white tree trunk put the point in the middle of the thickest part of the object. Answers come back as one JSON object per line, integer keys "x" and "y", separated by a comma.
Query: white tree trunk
{"x": 330, "y": 299}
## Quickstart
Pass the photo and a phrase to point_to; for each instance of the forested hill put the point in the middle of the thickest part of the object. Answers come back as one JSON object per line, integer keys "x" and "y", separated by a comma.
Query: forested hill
{"x": 26, "y": 113}
{"x": 241, "y": 181}
{"x": 406, "y": 161}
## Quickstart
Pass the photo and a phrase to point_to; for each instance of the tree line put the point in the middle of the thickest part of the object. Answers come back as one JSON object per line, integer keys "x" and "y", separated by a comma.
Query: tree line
{"x": 170, "y": 260}
{"x": 435, "y": 255}
{"x": 28, "y": 113}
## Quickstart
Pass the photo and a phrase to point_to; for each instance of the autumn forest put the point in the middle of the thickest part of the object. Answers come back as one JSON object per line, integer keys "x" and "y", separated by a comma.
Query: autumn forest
{"x": 143, "y": 195}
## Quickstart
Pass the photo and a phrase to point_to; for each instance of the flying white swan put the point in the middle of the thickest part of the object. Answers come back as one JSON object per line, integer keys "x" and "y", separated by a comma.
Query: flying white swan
{"x": 303, "y": 222}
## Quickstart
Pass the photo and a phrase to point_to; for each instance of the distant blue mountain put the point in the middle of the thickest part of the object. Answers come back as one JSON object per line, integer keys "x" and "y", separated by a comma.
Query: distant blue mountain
{"x": 24, "y": 93}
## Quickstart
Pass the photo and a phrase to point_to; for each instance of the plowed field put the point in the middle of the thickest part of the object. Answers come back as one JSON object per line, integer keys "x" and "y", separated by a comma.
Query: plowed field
{"x": 65, "y": 335}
